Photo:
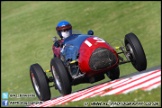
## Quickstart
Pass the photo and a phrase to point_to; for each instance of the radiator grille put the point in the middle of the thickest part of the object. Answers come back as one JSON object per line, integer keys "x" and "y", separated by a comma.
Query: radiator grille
{"x": 101, "y": 58}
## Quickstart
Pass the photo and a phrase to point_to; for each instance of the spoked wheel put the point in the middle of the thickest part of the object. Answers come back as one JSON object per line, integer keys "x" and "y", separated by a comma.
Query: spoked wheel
{"x": 40, "y": 82}
{"x": 61, "y": 77}
{"x": 135, "y": 51}
{"x": 114, "y": 73}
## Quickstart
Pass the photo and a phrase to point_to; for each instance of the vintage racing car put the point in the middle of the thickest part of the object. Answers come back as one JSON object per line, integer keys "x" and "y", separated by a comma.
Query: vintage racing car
{"x": 86, "y": 58}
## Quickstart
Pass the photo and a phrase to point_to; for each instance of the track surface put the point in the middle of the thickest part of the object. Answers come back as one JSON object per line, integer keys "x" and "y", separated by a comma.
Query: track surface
{"x": 145, "y": 80}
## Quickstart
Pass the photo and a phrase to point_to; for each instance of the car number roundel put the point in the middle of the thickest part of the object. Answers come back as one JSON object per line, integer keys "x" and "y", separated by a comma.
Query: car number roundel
{"x": 94, "y": 40}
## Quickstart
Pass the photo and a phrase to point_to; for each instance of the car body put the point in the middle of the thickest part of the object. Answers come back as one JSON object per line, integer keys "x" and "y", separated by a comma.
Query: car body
{"x": 93, "y": 54}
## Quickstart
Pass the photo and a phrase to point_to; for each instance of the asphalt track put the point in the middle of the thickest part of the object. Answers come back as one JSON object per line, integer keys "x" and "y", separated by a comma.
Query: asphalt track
{"x": 144, "y": 80}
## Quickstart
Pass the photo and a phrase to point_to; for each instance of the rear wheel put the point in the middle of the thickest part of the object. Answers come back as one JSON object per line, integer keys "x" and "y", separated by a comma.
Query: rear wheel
{"x": 61, "y": 77}
{"x": 114, "y": 73}
{"x": 136, "y": 52}
{"x": 40, "y": 82}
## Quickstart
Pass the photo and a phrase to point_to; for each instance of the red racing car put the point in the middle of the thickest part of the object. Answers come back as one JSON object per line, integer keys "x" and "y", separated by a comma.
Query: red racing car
{"x": 85, "y": 58}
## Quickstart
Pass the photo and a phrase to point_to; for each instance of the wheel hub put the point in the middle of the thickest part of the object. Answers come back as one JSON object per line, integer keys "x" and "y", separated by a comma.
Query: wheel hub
{"x": 57, "y": 79}
{"x": 130, "y": 53}
{"x": 36, "y": 86}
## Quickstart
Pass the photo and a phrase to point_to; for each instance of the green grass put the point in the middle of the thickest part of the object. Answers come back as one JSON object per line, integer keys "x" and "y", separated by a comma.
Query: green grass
{"x": 27, "y": 29}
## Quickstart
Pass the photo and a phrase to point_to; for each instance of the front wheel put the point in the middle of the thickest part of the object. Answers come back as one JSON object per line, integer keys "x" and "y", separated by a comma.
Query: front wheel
{"x": 40, "y": 82}
{"x": 61, "y": 77}
{"x": 136, "y": 52}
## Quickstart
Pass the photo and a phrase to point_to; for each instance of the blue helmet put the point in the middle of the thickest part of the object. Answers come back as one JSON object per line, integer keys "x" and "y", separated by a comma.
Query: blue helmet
{"x": 64, "y": 29}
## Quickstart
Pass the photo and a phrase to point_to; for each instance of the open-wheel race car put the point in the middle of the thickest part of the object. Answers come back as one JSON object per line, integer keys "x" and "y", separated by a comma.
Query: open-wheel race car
{"x": 85, "y": 58}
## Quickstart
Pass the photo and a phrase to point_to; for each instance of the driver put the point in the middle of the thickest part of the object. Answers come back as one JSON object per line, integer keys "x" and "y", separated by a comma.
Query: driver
{"x": 64, "y": 30}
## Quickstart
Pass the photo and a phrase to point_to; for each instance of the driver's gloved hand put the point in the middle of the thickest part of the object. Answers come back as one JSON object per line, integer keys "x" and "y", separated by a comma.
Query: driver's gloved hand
{"x": 57, "y": 44}
{"x": 90, "y": 32}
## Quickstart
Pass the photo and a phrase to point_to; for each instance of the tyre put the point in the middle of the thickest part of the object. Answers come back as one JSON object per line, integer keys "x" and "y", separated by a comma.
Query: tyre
{"x": 40, "y": 82}
{"x": 61, "y": 77}
{"x": 114, "y": 73}
{"x": 136, "y": 52}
